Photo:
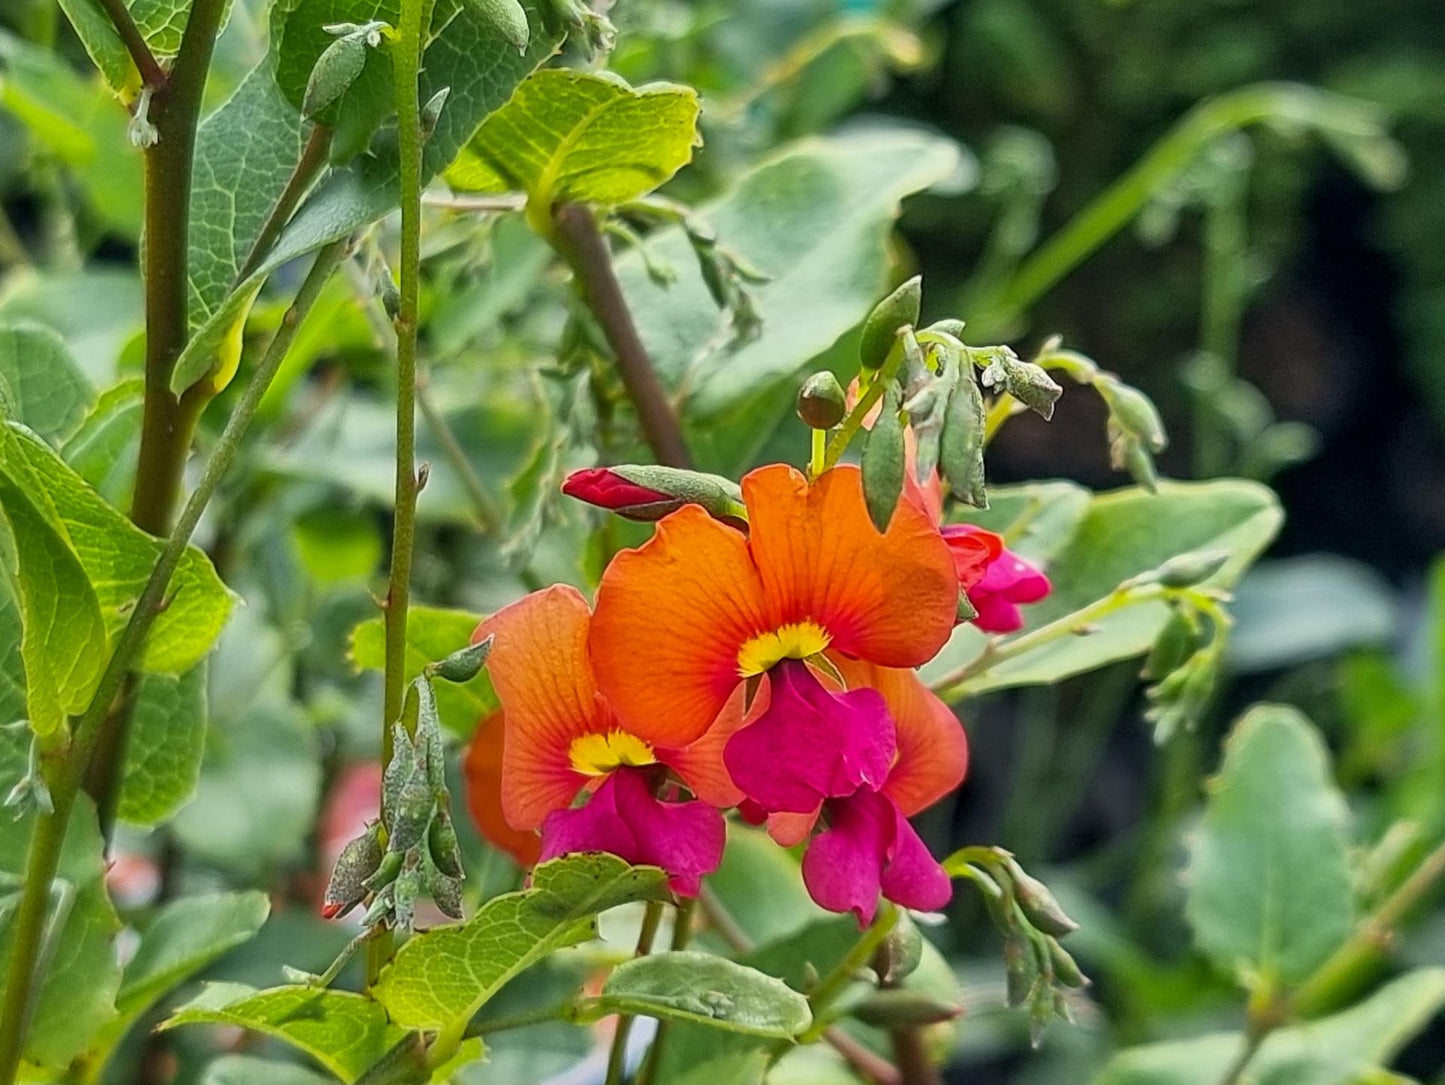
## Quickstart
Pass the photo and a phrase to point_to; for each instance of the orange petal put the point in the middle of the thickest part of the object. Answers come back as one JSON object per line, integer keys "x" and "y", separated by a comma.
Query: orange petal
{"x": 888, "y": 598}
{"x": 540, "y": 670}
{"x": 482, "y": 771}
{"x": 670, "y": 618}
{"x": 932, "y": 747}
{"x": 700, "y": 764}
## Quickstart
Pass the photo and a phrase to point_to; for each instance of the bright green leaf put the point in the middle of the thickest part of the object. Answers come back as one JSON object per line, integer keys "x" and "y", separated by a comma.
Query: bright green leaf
{"x": 12, "y": 667}
{"x": 161, "y": 23}
{"x": 163, "y": 753}
{"x": 1334, "y": 1050}
{"x": 118, "y": 557}
{"x": 184, "y": 937}
{"x": 338, "y": 544}
{"x": 77, "y": 997}
{"x": 432, "y": 634}
{"x": 444, "y": 976}
{"x": 344, "y": 1032}
{"x": 1124, "y": 533}
{"x": 588, "y": 137}
{"x": 39, "y": 383}
{"x": 703, "y": 989}
{"x": 103, "y": 450}
{"x": 1270, "y": 894}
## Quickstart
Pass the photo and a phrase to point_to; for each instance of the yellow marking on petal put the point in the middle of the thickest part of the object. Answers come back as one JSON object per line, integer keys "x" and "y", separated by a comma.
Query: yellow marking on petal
{"x": 796, "y": 640}
{"x": 599, "y": 754}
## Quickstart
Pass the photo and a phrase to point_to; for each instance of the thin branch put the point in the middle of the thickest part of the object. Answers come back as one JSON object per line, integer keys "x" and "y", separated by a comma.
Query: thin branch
{"x": 308, "y": 166}
{"x": 66, "y": 767}
{"x": 489, "y": 517}
{"x": 617, "y": 1056}
{"x": 151, "y": 72}
{"x": 582, "y": 245}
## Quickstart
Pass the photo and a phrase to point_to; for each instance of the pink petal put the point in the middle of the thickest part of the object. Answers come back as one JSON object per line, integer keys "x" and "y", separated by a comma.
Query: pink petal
{"x": 811, "y": 744}
{"x": 913, "y": 878}
{"x": 995, "y": 613}
{"x": 623, "y": 817}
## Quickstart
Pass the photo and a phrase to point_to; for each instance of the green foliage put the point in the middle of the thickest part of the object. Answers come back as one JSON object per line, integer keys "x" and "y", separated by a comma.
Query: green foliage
{"x": 345, "y": 1032}
{"x": 167, "y": 739}
{"x": 1270, "y": 891}
{"x": 703, "y": 989}
{"x": 432, "y": 634}
{"x": 439, "y": 979}
{"x": 577, "y": 136}
{"x": 39, "y": 383}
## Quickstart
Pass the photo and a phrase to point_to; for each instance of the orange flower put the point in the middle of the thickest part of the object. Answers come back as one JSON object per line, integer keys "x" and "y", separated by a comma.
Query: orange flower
{"x": 560, "y": 738}
{"x": 683, "y": 619}
{"x": 482, "y": 770}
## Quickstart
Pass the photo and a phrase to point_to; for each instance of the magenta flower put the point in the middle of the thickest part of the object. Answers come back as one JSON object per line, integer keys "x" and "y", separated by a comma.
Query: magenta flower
{"x": 1007, "y": 581}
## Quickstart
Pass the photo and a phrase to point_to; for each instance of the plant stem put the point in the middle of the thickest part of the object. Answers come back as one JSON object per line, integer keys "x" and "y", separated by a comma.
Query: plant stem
{"x": 308, "y": 166}
{"x": 406, "y": 66}
{"x": 681, "y": 936}
{"x": 562, "y": 1011}
{"x": 617, "y": 1056}
{"x": 863, "y": 951}
{"x": 1253, "y": 1040}
{"x": 1112, "y": 210}
{"x": 65, "y": 767}
{"x": 151, "y": 73}
{"x": 909, "y": 1051}
{"x": 581, "y": 244}
{"x": 489, "y": 517}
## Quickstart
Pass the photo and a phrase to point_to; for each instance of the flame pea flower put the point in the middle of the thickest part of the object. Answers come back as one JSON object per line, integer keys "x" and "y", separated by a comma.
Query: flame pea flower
{"x": 701, "y": 609}
{"x": 996, "y": 579}
{"x": 866, "y": 846}
{"x": 561, "y": 740}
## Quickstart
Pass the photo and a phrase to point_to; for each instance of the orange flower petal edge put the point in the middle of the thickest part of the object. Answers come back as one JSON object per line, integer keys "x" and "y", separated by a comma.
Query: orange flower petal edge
{"x": 482, "y": 776}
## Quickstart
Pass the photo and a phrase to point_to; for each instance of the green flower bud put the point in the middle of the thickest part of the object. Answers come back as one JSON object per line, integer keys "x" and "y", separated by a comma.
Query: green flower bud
{"x": 385, "y": 873}
{"x": 431, "y": 112}
{"x": 442, "y": 845}
{"x": 505, "y": 16}
{"x": 880, "y": 330}
{"x": 963, "y": 442}
{"x": 408, "y": 815}
{"x": 903, "y": 1008}
{"x": 901, "y": 952}
{"x": 1187, "y": 570}
{"x": 1134, "y": 412}
{"x": 1038, "y": 904}
{"x": 1020, "y": 968}
{"x": 1176, "y": 641}
{"x": 445, "y": 892}
{"x": 464, "y": 664}
{"x": 951, "y": 327}
{"x": 821, "y": 403}
{"x": 1066, "y": 969}
{"x": 357, "y": 862}
{"x": 335, "y": 70}
{"x": 884, "y": 462}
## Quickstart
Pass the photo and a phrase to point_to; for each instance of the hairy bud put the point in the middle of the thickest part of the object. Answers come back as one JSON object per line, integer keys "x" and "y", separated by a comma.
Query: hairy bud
{"x": 649, "y": 492}
{"x": 821, "y": 402}
{"x": 880, "y": 331}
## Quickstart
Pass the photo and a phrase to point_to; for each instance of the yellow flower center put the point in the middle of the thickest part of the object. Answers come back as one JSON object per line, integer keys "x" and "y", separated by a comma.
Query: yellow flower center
{"x": 796, "y": 640}
{"x": 598, "y": 754}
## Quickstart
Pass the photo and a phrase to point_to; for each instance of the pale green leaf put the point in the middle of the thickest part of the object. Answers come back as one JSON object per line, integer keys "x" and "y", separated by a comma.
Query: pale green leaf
{"x": 1335, "y": 1050}
{"x": 1124, "y": 533}
{"x": 346, "y": 1033}
{"x": 184, "y": 937}
{"x": 447, "y": 974}
{"x": 1036, "y": 519}
{"x": 700, "y": 988}
{"x": 103, "y": 450}
{"x": 97, "y": 311}
{"x": 248, "y": 1070}
{"x": 1270, "y": 891}
{"x": 118, "y": 557}
{"x": 161, "y": 23}
{"x": 432, "y": 634}
{"x": 163, "y": 753}
{"x": 469, "y": 56}
{"x": 578, "y": 136}
{"x": 39, "y": 383}
{"x": 816, "y": 219}
{"x": 77, "y": 997}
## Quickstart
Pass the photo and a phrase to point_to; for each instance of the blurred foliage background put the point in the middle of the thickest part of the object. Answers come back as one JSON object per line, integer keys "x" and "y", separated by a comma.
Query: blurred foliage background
{"x": 1281, "y": 296}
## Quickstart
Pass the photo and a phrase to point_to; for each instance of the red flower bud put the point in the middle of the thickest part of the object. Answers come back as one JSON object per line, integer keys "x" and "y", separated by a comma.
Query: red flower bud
{"x": 604, "y": 487}
{"x": 649, "y": 492}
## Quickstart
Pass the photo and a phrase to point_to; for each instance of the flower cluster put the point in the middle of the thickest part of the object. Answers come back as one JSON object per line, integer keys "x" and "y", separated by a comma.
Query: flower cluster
{"x": 768, "y": 668}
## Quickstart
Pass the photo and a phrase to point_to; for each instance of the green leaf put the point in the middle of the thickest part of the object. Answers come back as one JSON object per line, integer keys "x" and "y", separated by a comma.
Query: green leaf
{"x": 118, "y": 557}
{"x": 1036, "y": 519}
{"x": 469, "y": 55}
{"x": 700, "y": 988}
{"x": 185, "y": 936}
{"x": 1336, "y": 1050}
{"x": 346, "y": 1033}
{"x": 816, "y": 219}
{"x": 78, "y": 995}
{"x": 97, "y": 311}
{"x": 255, "y": 801}
{"x": 12, "y": 667}
{"x": 1124, "y": 533}
{"x": 1269, "y": 882}
{"x": 578, "y": 136}
{"x": 39, "y": 383}
{"x": 103, "y": 450}
{"x": 432, "y": 634}
{"x": 163, "y": 753}
{"x": 247, "y": 1070}
{"x": 446, "y": 975}
{"x": 338, "y": 544}
{"x": 161, "y": 23}
{"x": 63, "y": 643}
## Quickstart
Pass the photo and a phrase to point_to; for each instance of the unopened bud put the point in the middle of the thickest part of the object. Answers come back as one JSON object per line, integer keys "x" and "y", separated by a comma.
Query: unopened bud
{"x": 442, "y": 845}
{"x": 390, "y": 294}
{"x": 884, "y": 462}
{"x": 961, "y": 453}
{"x": 1187, "y": 570}
{"x": 1066, "y": 969}
{"x": 507, "y": 17}
{"x": 386, "y": 873}
{"x": 1039, "y": 905}
{"x": 357, "y": 862}
{"x": 1032, "y": 386}
{"x": 465, "y": 663}
{"x": 880, "y": 330}
{"x": 821, "y": 402}
{"x": 408, "y": 814}
{"x": 1134, "y": 412}
{"x": 431, "y": 112}
{"x": 1020, "y": 968}
{"x": 1175, "y": 642}
{"x": 335, "y": 70}
{"x": 903, "y": 1008}
{"x": 649, "y": 492}
{"x": 901, "y": 952}
{"x": 951, "y": 326}
{"x": 445, "y": 892}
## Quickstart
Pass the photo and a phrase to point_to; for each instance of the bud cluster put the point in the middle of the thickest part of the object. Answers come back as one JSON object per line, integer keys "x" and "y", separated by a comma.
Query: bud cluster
{"x": 1185, "y": 661}
{"x": 1040, "y": 974}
